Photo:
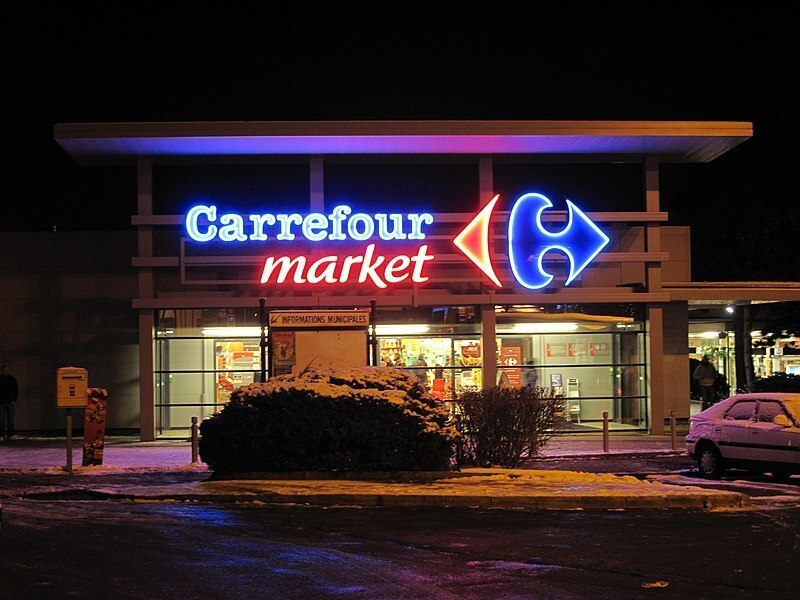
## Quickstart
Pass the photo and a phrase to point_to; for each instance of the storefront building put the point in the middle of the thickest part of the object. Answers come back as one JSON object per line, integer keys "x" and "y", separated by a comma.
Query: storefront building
{"x": 471, "y": 253}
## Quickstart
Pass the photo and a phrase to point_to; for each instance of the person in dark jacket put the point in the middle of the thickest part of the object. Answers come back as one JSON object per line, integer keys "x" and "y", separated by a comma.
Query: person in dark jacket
{"x": 706, "y": 376}
{"x": 9, "y": 391}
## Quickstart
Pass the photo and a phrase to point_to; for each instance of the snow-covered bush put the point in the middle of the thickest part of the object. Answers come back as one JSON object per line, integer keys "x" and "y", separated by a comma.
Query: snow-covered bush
{"x": 359, "y": 419}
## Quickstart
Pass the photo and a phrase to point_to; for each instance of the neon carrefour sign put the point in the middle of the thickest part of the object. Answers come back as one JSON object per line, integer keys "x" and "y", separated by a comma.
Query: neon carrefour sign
{"x": 384, "y": 249}
{"x": 528, "y": 241}
{"x": 204, "y": 224}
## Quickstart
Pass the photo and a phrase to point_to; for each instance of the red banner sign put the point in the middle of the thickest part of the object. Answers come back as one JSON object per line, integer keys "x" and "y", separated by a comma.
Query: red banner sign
{"x": 94, "y": 427}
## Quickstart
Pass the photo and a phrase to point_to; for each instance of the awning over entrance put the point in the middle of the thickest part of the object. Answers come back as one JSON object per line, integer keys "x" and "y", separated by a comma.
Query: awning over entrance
{"x": 670, "y": 141}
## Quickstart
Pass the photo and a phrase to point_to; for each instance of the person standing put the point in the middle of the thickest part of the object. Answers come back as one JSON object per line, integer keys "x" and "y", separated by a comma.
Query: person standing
{"x": 9, "y": 391}
{"x": 529, "y": 375}
{"x": 706, "y": 376}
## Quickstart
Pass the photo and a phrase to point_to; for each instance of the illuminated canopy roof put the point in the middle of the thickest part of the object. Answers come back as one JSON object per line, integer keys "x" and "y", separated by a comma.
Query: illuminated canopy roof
{"x": 674, "y": 141}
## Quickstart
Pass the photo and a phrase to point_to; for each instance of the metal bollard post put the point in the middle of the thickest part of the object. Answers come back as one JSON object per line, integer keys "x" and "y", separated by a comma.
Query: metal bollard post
{"x": 605, "y": 431}
{"x": 69, "y": 441}
{"x": 672, "y": 432}
{"x": 195, "y": 448}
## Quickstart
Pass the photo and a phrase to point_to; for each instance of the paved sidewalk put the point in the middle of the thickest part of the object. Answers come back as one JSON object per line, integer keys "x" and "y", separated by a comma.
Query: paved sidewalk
{"x": 37, "y": 452}
{"x": 157, "y": 471}
{"x": 124, "y": 452}
{"x": 632, "y": 444}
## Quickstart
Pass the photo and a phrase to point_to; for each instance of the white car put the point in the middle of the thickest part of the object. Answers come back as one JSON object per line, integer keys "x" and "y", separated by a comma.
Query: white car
{"x": 758, "y": 432}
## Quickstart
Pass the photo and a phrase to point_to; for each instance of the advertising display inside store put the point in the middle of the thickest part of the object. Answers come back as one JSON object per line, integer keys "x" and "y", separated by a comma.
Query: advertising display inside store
{"x": 448, "y": 365}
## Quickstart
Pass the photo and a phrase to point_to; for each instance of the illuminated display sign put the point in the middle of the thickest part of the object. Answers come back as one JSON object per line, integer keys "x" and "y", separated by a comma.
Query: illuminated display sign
{"x": 205, "y": 224}
{"x": 528, "y": 241}
{"x": 359, "y": 255}
{"x": 315, "y": 319}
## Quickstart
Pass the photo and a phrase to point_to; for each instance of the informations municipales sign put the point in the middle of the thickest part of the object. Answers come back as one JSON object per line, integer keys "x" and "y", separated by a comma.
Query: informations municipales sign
{"x": 312, "y": 319}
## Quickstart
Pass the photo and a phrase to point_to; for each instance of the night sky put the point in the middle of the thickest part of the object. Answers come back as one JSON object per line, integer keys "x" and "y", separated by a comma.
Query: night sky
{"x": 192, "y": 61}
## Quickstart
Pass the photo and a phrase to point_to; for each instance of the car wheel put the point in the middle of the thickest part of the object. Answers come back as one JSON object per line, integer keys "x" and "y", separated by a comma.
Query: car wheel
{"x": 709, "y": 462}
{"x": 781, "y": 474}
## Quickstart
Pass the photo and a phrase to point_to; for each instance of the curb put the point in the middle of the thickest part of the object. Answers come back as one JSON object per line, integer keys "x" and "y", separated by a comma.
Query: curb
{"x": 700, "y": 500}
{"x": 631, "y": 454}
{"x": 476, "y": 488}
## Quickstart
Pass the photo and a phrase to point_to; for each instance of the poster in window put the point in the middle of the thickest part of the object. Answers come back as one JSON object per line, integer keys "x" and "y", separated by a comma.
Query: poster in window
{"x": 510, "y": 358}
{"x": 283, "y": 352}
{"x": 556, "y": 350}
{"x": 577, "y": 349}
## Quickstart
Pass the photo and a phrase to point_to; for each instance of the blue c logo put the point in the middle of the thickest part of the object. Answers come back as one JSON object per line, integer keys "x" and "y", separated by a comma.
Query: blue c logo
{"x": 529, "y": 241}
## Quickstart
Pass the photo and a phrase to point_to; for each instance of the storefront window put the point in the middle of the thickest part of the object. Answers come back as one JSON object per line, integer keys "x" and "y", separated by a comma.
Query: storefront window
{"x": 595, "y": 372}
{"x": 598, "y": 365}
{"x": 201, "y": 357}
{"x": 448, "y": 365}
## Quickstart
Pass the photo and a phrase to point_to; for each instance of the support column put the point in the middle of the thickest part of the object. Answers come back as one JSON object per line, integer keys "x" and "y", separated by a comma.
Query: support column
{"x": 147, "y": 429}
{"x": 488, "y": 318}
{"x": 676, "y": 359}
{"x": 485, "y": 180}
{"x": 317, "y": 184}
{"x": 652, "y": 230}
{"x": 743, "y": 346}
{"x": 144, "y": 182}
{"x": 655, "y": 329}
{"x": 147, "y": 413}
{"x": 668, "y": 326}
{"x": 489, "y": 345}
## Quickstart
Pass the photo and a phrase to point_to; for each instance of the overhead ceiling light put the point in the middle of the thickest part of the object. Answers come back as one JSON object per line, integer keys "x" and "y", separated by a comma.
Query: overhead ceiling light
{"x": 411, "y": 329}
{"x": 729, "y": 309}
{"x": 232, "y": 331}
{"x": 544, "y": 327}
{"x": 707, "y": 334}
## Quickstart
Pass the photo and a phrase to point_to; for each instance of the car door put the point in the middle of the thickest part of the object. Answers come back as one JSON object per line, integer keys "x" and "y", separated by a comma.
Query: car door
{"x": 773, "y": 443}
{"x": 735, "y": 436}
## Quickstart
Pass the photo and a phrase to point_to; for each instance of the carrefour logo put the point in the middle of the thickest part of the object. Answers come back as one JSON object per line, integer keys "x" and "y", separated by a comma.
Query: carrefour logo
{"x": 528, "y": 241}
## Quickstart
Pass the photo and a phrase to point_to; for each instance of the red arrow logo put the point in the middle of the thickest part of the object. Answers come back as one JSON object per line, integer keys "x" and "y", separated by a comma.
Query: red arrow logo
{"x": 473, "y": 241}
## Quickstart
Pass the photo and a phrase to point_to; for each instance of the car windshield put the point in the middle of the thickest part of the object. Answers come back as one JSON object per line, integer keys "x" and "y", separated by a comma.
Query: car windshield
{"x": 741, "y": 411}
{"x": 793, "y": 406}
{"x": 768, "y": 410}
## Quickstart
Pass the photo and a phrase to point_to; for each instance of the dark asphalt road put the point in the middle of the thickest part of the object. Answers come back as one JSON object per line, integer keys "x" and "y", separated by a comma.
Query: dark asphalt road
{"x": 126, "y": 550}
{"x": 74, "y": 548}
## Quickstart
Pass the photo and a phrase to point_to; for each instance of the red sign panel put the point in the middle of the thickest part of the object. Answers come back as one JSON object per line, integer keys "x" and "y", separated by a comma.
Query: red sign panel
{"x": 94, "y": 427}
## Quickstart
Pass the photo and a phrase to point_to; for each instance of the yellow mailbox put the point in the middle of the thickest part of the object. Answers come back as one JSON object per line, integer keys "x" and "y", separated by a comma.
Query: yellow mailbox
{"x": 71, "y": 384}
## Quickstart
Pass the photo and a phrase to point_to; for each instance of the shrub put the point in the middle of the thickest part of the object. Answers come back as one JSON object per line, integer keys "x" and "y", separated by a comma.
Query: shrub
{"x": 361, "y": 419}
{"x": 779, "y": 382}
{"x": 501, "y": 425}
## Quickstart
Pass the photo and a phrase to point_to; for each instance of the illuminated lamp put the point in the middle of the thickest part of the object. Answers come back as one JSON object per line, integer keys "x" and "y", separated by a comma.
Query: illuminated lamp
{"x": 232, "y": 331}
{"x": 544, "y": 327}
{"x": 709, "y": 335}
{"x": 401, "y": 330}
